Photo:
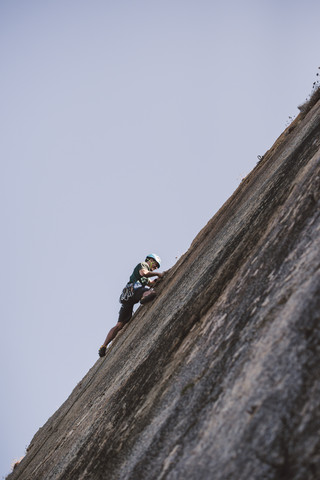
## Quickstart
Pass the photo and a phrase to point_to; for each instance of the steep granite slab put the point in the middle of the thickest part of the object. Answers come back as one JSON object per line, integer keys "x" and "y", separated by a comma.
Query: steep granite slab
{"x": 219, "y": 377}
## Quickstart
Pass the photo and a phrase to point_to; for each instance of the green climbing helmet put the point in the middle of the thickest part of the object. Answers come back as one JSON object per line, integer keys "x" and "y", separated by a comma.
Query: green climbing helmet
{"x": 156, "y": 258}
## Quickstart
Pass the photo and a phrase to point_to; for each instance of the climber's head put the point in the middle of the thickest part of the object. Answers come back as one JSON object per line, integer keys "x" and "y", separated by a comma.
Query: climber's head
{"x": 153, "y": 260}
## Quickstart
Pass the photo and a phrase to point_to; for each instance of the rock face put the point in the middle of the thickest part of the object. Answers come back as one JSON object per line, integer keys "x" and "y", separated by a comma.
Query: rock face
{"x": 218, "y": 378}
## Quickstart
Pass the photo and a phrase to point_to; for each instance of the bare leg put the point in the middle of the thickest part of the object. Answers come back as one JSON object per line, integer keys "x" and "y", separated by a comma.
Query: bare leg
{"x": 113, "y": 333}
{"x": 148, "y": 296}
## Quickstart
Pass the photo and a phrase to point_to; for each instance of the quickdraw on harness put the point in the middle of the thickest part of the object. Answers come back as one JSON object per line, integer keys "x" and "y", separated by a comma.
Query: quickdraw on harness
{"x": 130, "y": 288}
{"x": 126, "y": 293}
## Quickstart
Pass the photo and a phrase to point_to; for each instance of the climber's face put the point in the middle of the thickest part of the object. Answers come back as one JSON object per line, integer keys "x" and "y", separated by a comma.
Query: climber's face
{"x": 152, "y": 264}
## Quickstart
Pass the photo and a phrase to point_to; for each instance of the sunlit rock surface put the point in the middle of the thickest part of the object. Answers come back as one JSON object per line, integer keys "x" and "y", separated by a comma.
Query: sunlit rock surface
{"x": 218, "y": 378}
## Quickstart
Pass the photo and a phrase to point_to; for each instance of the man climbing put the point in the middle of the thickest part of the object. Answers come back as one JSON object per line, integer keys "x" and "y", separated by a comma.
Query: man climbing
{"x": 139, "y": 288}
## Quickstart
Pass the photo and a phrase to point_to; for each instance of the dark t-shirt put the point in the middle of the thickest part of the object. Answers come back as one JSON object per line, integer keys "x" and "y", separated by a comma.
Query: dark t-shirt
{"x": 136, "y": 277}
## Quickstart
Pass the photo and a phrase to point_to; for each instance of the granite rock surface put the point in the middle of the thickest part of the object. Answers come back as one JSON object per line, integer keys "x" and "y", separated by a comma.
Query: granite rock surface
{"x": 218, "y": 378}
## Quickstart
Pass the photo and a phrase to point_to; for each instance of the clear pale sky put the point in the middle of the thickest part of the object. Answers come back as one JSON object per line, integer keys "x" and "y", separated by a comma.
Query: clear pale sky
{"x": 125, "y": 126}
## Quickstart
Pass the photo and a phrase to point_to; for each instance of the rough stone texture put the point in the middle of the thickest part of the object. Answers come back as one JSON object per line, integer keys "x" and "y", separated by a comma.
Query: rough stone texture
{"x": 219, "y": 377}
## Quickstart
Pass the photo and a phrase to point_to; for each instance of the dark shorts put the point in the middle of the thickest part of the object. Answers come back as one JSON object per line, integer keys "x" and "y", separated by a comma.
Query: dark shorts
{"x": 126, "y": 309}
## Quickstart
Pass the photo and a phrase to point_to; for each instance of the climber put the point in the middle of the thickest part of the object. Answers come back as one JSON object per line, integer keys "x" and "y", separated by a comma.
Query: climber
{"x": 139, "y": 288}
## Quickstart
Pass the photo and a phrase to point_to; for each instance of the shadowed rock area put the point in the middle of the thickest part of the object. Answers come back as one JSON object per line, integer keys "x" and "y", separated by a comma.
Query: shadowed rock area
{"x": 218, "y": 378}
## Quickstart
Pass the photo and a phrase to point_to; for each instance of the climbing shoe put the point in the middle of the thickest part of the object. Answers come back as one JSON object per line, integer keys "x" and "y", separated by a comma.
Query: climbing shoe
{"x": 102, "y": 351}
